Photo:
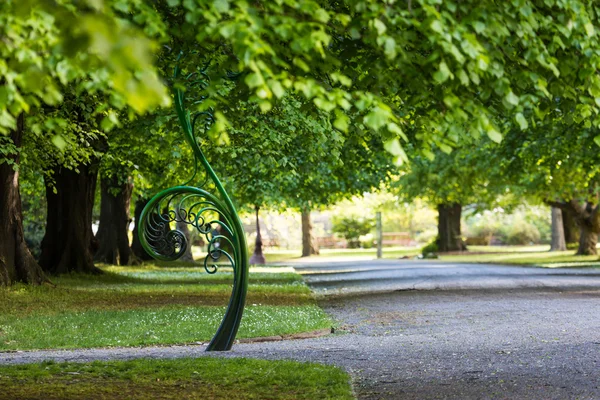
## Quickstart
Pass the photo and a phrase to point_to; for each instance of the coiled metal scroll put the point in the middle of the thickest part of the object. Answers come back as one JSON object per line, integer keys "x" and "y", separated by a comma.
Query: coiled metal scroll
{"x": 213, "y": 216}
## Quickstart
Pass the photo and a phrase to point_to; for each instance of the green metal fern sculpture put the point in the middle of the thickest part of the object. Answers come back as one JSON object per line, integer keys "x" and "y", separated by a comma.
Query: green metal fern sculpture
{"x": 212, "y": 215}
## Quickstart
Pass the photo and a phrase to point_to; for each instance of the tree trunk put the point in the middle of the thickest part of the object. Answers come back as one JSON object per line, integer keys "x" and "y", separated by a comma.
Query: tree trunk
{"x": 184, "y": 228}
{"x": 588, "y": 239}
{"x": 113, "y": 231}
{"x": 309, "y": 246}
{"x": 558, "y": 234}
{"x": 449, "y": 231}
{"x": 570, "y": 227}
{"x": 587, "y": 216}
{"x": 258, "y": 256}
{"x": 67, "y": 244}
{"x": 136, "y": 245}
{"x": 16, "y": 262}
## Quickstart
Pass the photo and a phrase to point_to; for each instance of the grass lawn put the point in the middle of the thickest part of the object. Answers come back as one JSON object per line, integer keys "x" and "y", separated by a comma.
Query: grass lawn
{"x": 151, "y": 305}
{"x": 274, "y": 256}
{"x": 538, "y": 255}
{"x": 201, "y": 378}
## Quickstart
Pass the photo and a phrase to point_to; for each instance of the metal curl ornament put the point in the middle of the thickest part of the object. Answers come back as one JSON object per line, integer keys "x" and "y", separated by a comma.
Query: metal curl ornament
{"x": 212, "y": 215}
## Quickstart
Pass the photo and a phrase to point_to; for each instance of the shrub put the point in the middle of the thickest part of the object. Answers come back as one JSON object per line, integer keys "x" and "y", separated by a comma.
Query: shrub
{"x": 430, "y": 248}
{"x": 521, "y": 232}
{"x": 352, "y": 228}
{"x": 572, "y": 246}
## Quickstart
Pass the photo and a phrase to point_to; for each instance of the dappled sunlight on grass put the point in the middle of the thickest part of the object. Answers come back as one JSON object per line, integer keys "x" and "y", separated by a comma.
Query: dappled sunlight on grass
{"x": 142, "y": 327}
{"x": 150, "y": 305}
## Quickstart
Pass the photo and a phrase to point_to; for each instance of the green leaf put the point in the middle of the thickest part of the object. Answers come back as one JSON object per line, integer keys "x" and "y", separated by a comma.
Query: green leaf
{"x": 253, "y": 80}
{"x": 395, "y": 129}
{"x": 393, "y": 147}
{"x": 376, "y": 119}
{"x": 589, "y": 29}
{"x": 597, "y": 140}
{"x": 276, "y": 88}
{"x": 494, "y": 135}
{"x": 443, "y": 73}
{"x": 379, "y": 26}
{"x": 445, "y": 148}
{"x": 436, "y": 26}
{"x": 59, "y": 142}
{"x": 390, "y": 48}
{"x": 520, "y": 118}
{"x": 341, "y": 122}
{"x": 511, "y": 99}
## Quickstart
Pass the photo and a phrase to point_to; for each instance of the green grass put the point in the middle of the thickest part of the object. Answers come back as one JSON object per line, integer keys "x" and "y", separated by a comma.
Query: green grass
{"x": 538, "y": 255}
{"x": 273, "y": 256}
{"x": 150, "y": 306}
{"x": 202, "y": 378}
{"x": 525, "y": 256}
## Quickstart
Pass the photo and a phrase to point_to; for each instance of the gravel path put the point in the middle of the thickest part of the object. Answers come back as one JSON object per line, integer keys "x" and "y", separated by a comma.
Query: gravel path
{"x": 525, "y": 343}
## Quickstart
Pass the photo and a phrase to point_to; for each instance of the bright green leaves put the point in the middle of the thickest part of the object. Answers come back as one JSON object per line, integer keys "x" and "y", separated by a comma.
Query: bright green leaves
{"x": 59, "y": 142}
{"x": 443, "y": 73}
{"x": 394, "y": 147}
{"x": 254, "y": 79}
{"x": 511, "y": 100}
{"x": 341, "y": 121}
{"x": 494, "y": 135}
{"x": 520, "y": 118}
{"x": 377, "y": 118}
{"x": 86, "y": 46}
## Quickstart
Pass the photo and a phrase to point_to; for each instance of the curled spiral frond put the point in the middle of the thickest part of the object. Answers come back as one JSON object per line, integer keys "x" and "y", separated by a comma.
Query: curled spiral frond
{"x": 212, "y": 216}
{"x": 201, "y": 211}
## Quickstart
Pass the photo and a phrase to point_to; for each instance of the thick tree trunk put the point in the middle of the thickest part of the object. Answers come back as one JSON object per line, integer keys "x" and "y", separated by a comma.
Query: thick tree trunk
{"x": 184, "y": 228}
{"x": 449, "y": 231}
{"x": 16, "y": 262}
{"x": 136, "y": 245}
{"x": 588, "y": 238}
{"x": 112, "y": 236}
{"x": 309, "y": 245}
{"x": 558, "y": 234}
{"x": 67, "y": 244}
{"x": 570, "y": 227}
{"x": 587, "y": 216}
{"x": 258, "y": 256}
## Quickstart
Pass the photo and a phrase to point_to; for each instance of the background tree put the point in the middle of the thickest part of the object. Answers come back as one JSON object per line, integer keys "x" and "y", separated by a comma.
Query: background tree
{"x": 449, "y": 181}
{"x": 558, "y": 165}
{"x": 95, "y": 54}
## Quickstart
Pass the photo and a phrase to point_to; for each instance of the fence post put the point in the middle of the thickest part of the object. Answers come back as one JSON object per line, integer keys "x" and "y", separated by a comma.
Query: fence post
{"x": 379, "y": 235}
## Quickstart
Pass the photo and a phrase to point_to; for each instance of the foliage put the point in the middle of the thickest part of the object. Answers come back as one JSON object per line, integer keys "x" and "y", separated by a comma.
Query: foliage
{"x": 524, "y": 225}
{"x": 388, "y": 68}
{"x": 33, "y": 201}
{"x": 352, "y": 228}
{"x": 90, "y": 45}
{"x": 461, "y": 176}
{"x": 430, "y": 248}
{"x": 205, "y": 377}
{"x": 522, "y": 233}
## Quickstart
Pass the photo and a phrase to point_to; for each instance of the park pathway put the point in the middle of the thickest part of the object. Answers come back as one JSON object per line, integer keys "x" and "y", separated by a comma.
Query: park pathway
{"x": 430, "y": 330}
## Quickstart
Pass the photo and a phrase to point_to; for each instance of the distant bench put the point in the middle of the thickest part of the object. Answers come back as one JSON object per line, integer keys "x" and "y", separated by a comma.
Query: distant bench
{"x": 396, "y": 239}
